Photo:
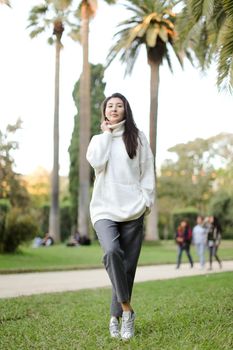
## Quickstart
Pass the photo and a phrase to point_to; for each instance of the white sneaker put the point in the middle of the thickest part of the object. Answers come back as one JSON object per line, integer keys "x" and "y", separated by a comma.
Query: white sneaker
{"x": 127, "y": 327}
{"x": 114, "y": 327}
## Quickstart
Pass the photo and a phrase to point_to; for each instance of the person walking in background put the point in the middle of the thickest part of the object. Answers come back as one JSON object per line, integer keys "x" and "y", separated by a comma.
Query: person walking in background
{"x": 123, "y": 192}
{"x": 199, "y": 239}
{"x": 214, "y": 236}
{"x": 183, "y": 240}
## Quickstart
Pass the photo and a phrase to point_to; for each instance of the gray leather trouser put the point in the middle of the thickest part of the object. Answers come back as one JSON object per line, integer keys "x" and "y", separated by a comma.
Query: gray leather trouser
{"x": 121, "y": 243}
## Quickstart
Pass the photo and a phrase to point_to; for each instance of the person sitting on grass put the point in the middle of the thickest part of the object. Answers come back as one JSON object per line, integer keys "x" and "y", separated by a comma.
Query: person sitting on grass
{"x": 74, "y": 240}
{"x": 77, "y": 240}
{"x": 47, "y": 240}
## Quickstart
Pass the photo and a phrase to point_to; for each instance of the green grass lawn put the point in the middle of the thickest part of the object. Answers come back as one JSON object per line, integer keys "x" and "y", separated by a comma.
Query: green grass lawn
{"x": 179, "y": 314}
{"x": 60, "y": 257}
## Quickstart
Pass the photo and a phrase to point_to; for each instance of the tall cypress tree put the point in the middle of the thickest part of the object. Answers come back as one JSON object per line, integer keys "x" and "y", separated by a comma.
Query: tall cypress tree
{"x": 97, "y": 96}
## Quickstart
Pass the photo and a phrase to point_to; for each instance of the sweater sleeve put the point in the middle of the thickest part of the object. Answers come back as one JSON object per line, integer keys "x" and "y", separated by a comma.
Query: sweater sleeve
{"x": 98, "y": 151}
{"x": 147, "y": 171}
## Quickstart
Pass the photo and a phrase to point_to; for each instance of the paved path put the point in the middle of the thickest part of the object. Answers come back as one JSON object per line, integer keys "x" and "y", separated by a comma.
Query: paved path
{"x": 14, "y": 285}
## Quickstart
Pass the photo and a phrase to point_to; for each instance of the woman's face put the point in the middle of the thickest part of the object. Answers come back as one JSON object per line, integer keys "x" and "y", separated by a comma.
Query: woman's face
{"x": 183, "y": 224}
{"x": 114, "y": 110}
{"x": 211, "y": 219}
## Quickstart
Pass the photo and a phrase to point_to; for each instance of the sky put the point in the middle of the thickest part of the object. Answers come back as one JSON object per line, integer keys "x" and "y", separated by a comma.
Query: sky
{"x": 189, "y": 104}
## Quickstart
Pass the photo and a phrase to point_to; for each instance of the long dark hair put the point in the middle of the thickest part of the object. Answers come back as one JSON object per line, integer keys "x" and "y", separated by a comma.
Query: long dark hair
{"x": 216, "y": 224}
{"x": 131, "y": 133}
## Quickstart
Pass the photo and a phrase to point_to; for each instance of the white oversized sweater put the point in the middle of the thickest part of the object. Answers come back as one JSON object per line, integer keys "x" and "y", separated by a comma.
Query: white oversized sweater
{"x": 124, "y": 187}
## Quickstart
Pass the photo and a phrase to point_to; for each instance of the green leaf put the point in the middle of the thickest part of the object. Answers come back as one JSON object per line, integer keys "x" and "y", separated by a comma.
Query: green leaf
{"x": 75, "y": 35}
{"x": 36, "y": 32}
{"x": 50, "y": 41}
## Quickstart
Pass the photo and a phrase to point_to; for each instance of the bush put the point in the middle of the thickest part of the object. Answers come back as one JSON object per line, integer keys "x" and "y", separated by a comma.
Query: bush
{"x": 4, "y": 209}
{"x": 19, "y": 228}
{"x": 165, "y": 226}
{"x": 189, "y": 213}
{"x": 4, "y": 205}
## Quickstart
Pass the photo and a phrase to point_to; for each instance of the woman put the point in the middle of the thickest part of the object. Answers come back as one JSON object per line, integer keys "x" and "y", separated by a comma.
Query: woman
{"x": 183, "y": 240}
{"x": 123, "y": 192}
{"x": 213, "y": 239}
{"x": 199, "y": 239}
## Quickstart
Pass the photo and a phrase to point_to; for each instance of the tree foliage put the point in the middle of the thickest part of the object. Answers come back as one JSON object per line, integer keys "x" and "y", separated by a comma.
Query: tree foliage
{"x": 221, "y": 206}
{"x": 200, "y": 171}
{"x": 11, "y": 183}
{"x": 54, "y": 16}
{"x": 153, "y": 25}
{"x": 193, "y": 176}
{"x": 18, "y": 228}
{"x": 206, "y": 29}
{"x": 97, "y": 96}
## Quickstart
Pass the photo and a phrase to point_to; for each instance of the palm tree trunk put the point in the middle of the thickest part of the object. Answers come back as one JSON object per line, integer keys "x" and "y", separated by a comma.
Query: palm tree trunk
{"x": 152, "y": 219}
{"x": 85, "y": 116}
{"x": 54, "y": 222}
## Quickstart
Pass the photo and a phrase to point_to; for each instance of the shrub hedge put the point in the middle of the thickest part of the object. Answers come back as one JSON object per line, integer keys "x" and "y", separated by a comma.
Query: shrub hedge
{"x": 16, "y": 229}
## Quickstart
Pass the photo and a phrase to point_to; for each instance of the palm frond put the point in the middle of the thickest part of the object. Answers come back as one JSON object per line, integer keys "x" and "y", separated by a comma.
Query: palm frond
{"x": 36, "y": 32}
{"x": 130, "y": 57}
{"x": 189, "y": 56}
{"x": 110, "y": 2}
{"x": 225, "y": 62}
{"x": 184, "y": 24}
{"x": 138, "y": 6}
{"x": 152, "y": 34}
{"x": 33, "y": 17}
{"x": 75, "y": 34}
{"x": 61, "y": 5}
{"x": 228, "y": 7}
{"x": 50, "y": 40}
{"x": 168, "y": 59}
{"x": 40, "y": 9}
{"x": 196, "y": 8}
{"x": 208, "y": 9}
{"x": 139, "y": 12}
{"x": 180, "y": 57}
{"x": 163, "y": 34}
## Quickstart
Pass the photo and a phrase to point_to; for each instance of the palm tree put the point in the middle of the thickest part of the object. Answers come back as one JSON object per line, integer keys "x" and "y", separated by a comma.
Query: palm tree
{"x": 52, "y": 15}
{"x": 151, "y": 25}
{"x": 206, "y": 29}
{"x": 87, "y": 10}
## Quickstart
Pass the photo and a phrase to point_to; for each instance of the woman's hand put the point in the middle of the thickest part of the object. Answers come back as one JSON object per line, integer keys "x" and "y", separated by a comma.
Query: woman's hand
{"x": 105, "y": 126}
